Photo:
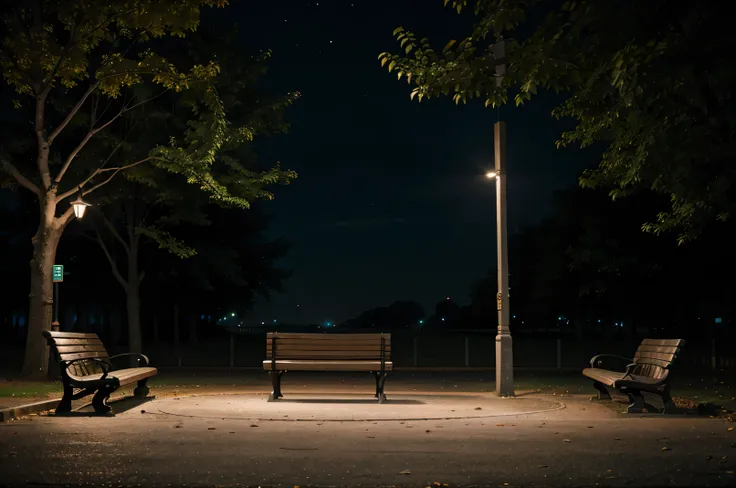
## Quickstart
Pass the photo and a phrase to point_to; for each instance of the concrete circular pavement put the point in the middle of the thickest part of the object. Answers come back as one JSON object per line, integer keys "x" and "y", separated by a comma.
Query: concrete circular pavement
{"x": 347, "y": 408}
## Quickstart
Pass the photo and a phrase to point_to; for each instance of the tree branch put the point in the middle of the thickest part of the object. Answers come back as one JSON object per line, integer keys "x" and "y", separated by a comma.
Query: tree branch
{"x": 115, "y": 232}
{"x": 43, "y": 145}
{"x": 72, "y": 112}
{"x": 94, "y": 131}
{"x": 64, "y": 52}
{"x": 97, "y": 172}
{"x": 20, "y": 178}
{"x": 113, "y": 265}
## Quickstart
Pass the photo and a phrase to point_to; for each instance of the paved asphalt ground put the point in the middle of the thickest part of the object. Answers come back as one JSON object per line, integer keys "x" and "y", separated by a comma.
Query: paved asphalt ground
{"x": 229, "y": 440}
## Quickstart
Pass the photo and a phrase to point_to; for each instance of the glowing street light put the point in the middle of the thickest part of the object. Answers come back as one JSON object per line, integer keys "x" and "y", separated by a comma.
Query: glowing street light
{"x": 491, "y": 174}
{"x": 79, "y": 206}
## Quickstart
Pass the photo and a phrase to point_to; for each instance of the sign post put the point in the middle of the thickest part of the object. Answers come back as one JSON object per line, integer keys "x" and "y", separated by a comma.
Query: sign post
{"x": 57, "y": 274}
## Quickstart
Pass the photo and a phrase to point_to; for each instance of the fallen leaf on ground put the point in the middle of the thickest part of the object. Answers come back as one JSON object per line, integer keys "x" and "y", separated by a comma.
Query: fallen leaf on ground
{"x": 499, "y": 425}
{"x": 616, "y": 438}
{"x": 708, "y": 458}
{"x": 543, "y": 466}
{"x": 210, "y": 428}
{"x": 478, "y": 408}
{"x": 566, "y": 440}
{"x": 665, "y": 448}
{"x": 406, "y": 472}
{"x": 254, "y": 425}
{"x": 730, "y": 429}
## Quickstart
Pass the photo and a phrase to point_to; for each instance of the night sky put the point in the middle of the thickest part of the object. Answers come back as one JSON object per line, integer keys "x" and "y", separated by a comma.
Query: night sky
{"x": 390, "y": 203}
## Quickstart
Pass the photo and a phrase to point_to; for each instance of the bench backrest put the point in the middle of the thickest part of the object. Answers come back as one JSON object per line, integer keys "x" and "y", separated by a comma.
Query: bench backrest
{"x": 336, "y": 347}
{"x": 655, "y": 356}
{"x": 69, "y": 346}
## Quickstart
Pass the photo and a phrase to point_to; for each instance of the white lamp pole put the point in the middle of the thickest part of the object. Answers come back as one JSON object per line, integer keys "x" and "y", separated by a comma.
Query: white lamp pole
{"x": 504, "y": 349}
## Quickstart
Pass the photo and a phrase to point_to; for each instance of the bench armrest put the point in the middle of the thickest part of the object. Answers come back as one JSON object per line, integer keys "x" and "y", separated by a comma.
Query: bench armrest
{"x": 104, "y": 365}
{"x": 141, "y": 357}
{"x": 596, "y": 359}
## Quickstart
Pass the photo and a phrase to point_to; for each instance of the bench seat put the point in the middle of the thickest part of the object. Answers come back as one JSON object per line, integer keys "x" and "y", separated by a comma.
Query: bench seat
{"x": 647, "y": 372}
{"x": 88, "y": 368}
{"x": 616, "y": 379}
{"x": 312, "y": 365}
{"x": 327, "y": 352}
{"x": 120, "y": 377}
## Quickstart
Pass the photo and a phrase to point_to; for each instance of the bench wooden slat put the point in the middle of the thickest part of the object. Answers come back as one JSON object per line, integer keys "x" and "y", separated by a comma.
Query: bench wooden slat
{"x": 297, "y": 365}
{"x": 81, "y": 348}
{"x": 330, "y": 356}
{"x": 293, "y": 348}
{"x": 84, "y": 355}
{"x": 295, "y": 335}
{"x": 332, "y": 342}
{"x": 328, "y": 345}
{"x": 72, "y": 335}
{"x": 663, "y": 349}
{"x": 653, "y": 355}
{"x": 76, "y": 341}
{"x": 663, "y": 342}
{"x": 654, "y": 361}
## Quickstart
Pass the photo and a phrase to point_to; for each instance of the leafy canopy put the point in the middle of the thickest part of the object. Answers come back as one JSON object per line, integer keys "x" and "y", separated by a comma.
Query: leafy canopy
{"x": 651, "y": 82}
{"x": 80, "y": 69}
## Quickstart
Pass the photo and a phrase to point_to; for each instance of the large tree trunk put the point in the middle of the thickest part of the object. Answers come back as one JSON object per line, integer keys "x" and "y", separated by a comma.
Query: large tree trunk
{"x": 45, "y": 243}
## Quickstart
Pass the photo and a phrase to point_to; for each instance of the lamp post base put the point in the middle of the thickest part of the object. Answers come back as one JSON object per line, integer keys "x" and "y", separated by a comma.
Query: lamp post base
{"x": 504, "y": 366}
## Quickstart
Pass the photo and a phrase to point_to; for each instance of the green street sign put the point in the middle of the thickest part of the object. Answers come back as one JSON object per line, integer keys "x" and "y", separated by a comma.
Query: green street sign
{"x": 58, "y": 273}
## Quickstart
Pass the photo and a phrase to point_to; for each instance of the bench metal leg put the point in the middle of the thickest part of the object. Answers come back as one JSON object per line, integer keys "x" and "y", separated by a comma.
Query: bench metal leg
{"x": 99, "y": 401}
{"x": 65, "y": 405}
{"x": 380, "y": 381}
{"x": 638, "y": 404}
{"x": 603, "y": 393}
{"x": 276, "y": 382}
{"x": 669, "y": 405}
{"x": 142, "y": 389}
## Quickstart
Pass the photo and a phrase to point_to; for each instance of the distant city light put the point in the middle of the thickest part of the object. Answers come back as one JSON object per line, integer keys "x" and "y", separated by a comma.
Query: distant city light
{"x": 443, "y": 319}
{"x": 274, "y": 321}
{"x": 232, "y": 314}
{"x": 421, "y": 322}
{"x": 719, "y": 320}
{"x": 448, "y": 298}
{"x": 263, "y": 323}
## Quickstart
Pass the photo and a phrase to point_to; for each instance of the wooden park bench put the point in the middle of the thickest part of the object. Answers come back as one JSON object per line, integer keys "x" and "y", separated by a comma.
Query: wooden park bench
{"x": 86, "y": 367}
{"x": 648, "y": 372}
{"x": 327, "y": 352}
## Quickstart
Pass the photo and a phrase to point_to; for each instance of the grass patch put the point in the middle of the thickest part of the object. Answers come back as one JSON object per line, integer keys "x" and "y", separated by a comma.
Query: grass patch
{"x": 30, "y": 389}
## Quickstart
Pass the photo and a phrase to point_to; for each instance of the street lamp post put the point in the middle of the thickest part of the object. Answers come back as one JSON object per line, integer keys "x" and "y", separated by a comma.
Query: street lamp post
{"x": 504, "y": 351}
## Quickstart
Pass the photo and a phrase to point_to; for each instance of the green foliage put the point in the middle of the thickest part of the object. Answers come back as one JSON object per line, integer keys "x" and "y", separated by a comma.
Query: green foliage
{"x": 88, "y": 73}
{"x": 650, "y": 82}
